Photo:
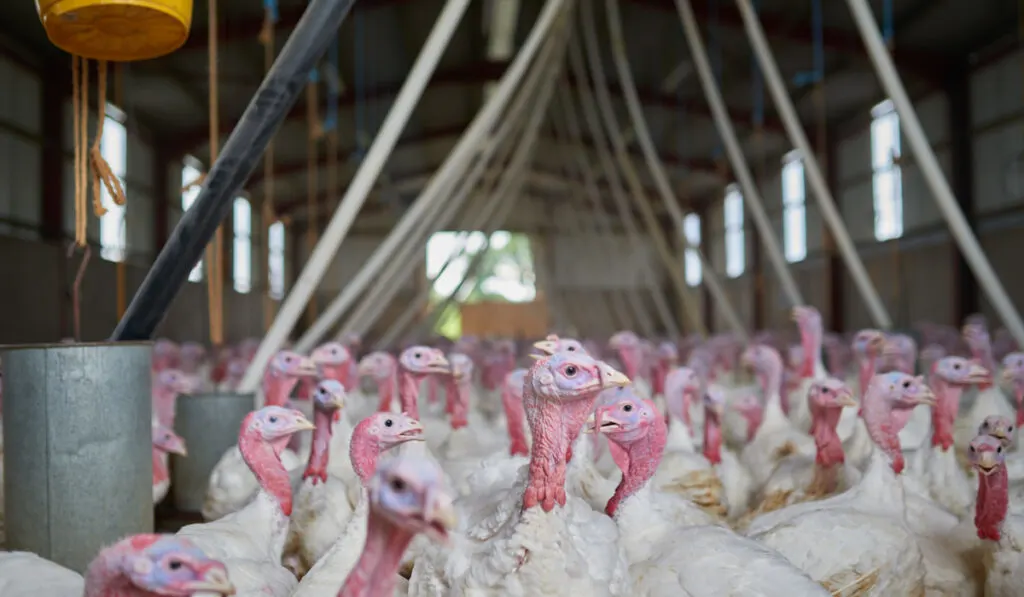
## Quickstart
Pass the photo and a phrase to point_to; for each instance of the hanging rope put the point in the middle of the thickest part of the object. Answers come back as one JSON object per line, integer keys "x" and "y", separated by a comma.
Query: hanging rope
{"x": 215, "y": 250}
{"x": 122, "y": 265}
{"x": 267, "y": 39}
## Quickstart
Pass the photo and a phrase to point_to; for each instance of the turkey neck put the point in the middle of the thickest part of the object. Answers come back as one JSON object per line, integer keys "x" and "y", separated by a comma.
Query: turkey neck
{"x": 867, "y": 371}
{"x": 992, "y": 503}
{"x": 947, "y": 404}
{"x": 320, "y": 452}
{"x": 386, "y": 389}
{"x": 409, "y": 393}
{"x": 376, "y": 572}
{"x": 771, "y": 383}
{"x": 277, "y": 387}
{"x": 460, "y": 405}
{"x": 264, "y": 460}
{"x": 339, "y": 372}
{"x": 105, "y": 577}
{"x": 712, "y": 437}
{"x": 514, "y": 420}
{"x": 644, "y": 455}
{"x": 630, "y": 361}
{"x": 550, "y": 424}
{"x": 824, "y": 421}
{"x": 1018, "y": 393}
{"x": 433, "y": 388}
{"x": 881, "y": 424}
{"x": 364, "y": 450}
{"x": 160, "y": 473}
{"x": 164, "y": 399}
{"x": 810, "y": 340}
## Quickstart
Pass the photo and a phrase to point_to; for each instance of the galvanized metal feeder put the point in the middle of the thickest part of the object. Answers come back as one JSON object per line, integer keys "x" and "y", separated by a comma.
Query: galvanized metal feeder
{"x": 77, "y": 448}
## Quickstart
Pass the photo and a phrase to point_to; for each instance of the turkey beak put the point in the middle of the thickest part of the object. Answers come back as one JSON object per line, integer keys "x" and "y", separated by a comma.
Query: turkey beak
{"x": 336, "y": 403}
{"x": 978, "y": 374}
{"x": 215, "y": 580}
{"x": 440, "y": 515}
{"x": 439, "y": 364}
{"x": 611, "y": 378}
{"x": 889, "y": 349}
{"x": 302, "y": 424}
{"x": 925, "y": 397}
{"x": 307, "y": 368}
{"x": 986, "y": 462}
{"x": 844, "y": 397}
{"x": 548, "y": 347}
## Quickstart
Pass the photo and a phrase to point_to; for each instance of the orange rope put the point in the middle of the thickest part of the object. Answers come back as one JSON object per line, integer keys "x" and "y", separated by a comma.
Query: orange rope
{"x": 312, "y": 179}
{"x": 79, "y": 97}
{"x": 122, "y": 265}
{"x": 102, "y": 175}
{"x": 215, "y": 250}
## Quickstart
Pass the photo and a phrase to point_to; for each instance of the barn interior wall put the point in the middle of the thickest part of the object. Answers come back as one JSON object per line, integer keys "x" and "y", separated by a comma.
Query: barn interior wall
{"x": 914, "y": 275}
{"x": 37, "y": 273}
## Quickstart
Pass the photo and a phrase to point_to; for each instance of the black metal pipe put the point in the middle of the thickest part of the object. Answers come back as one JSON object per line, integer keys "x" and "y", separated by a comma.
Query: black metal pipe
{"x": 268, "y": 108}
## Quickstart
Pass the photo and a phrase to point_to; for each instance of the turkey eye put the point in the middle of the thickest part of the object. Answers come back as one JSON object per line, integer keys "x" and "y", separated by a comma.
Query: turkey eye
{"x": 273, "y": 419}
{"x": 906, "y": 385}
{"x": 174, "y": 564}
{"x": 398, "y": 484}
{"x": 417, "y": 355}
{"x": 1010, "y": 428}
{"x": 570, "y": 371}
{"x": 999, "y": 449}
{"x": 628, "y": 407}
{"x": 388, "y": 423}
{"x": 827, "y": 390}
{"x": 972, "y": 449}
{"x": 956, "y": 366}
{"x": 571, "y": 348}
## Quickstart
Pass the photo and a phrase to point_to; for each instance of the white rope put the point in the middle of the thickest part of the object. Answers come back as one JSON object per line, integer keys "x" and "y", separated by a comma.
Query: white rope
{"x": 601, "y": 222}
{"x": 454, "y": 165}
{"x": 661, "y": 182}
{"x": 798, "y": 137}
{"x": 751, "y": 196}
{"x": 636, "y": 190}
{"x": 493, "y": 188}
{"x": 932, "y": 172}
{"x": 356, "y": 194}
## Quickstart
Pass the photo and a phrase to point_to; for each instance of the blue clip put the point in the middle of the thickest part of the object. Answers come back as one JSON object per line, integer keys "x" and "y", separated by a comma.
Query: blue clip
{"x": 271, "y": 7}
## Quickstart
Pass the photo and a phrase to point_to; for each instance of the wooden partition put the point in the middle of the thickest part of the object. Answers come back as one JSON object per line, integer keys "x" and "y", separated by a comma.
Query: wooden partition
{"x": 493, "y": 318}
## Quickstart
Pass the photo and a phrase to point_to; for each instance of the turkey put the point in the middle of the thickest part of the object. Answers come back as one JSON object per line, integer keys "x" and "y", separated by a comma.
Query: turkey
{"x": 136, "y": 566}
{"x": 250, "y": 541}
{"x": 533, "y": 538}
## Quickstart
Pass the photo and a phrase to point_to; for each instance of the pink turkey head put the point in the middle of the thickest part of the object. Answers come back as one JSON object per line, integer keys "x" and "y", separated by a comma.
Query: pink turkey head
{"x": 553, "y": 344}
{"x": 868, "y": 343}
{"x": 621, "y": 415}
{"x": 378, "y": 365}
{"x": 292, "y": 364}
{"x": 329, "y": 396}
{"x": 168, "y": 441}
{"x": 461, "y": 367}
{"x": 409, "y": 491}
{"x": 177, "y": 382}
{"x": 830, "y": 393}
{"x": 668, "y": 353}
{"x": 1013, "y": 368}
{"x": 986, "y": 454}
{"x": 330, "y": 354}
{"x": 977, "y": 338}
{"x": 274, "y": 425}
{"x": 165, "y": 354}
{"x": 567, "y": 376}
{"x": 393, "y": 429}
{"x": 998, "y": 427}
{"x": 422, "y": 361}
{"x": 959, "y": 371}
{"x": 163, "y": 565}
